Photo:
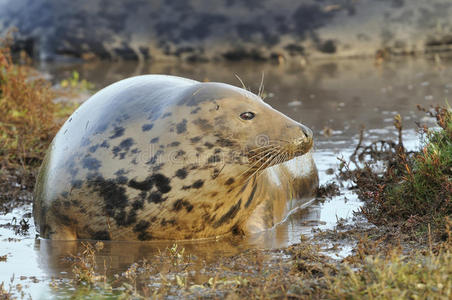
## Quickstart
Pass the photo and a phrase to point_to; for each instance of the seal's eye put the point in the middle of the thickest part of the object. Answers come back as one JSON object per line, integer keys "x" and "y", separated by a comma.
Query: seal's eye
{"x": 247, "y": 115}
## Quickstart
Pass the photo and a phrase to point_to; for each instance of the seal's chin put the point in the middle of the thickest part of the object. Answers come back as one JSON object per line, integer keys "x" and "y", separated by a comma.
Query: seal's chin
{"x": 270, "y": 155}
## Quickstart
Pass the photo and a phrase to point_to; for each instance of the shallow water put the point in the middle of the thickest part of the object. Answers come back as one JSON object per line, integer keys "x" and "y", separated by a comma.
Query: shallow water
{"x": 334, "y": 99}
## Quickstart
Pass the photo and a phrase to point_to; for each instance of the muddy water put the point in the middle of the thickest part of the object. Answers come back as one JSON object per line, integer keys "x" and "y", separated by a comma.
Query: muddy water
{"x": 333, "y": 98}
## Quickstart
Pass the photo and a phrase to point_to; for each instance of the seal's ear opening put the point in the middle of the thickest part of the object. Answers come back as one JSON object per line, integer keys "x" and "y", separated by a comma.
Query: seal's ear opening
{"x": 216, "y": 106}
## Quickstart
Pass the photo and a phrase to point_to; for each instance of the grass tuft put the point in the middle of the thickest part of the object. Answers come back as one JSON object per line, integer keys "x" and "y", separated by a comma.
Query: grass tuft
{"x": 396, "y": 277}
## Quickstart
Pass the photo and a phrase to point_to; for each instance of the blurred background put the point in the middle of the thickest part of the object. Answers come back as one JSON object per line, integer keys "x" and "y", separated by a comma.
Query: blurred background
{"x": 203, "y": 30}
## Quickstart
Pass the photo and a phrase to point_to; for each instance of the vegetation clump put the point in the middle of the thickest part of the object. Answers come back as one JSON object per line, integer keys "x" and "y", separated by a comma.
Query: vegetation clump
{"x": 413, "y": 189}
{"x": 4, "y": 294}
{"x": 84, "y": 267}
{"x": 28, "y": 114}
{"x": 327, "y": 190}
{"x": 396, "y": 276}
{"x": 29, "y": 119}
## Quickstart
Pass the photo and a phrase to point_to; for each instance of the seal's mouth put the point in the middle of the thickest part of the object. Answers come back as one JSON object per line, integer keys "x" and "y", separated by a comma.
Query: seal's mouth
{"x": 277, "y": 152}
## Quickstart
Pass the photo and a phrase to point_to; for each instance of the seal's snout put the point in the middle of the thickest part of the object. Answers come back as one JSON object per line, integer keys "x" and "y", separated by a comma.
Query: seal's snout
{"x": 303, "y": 142}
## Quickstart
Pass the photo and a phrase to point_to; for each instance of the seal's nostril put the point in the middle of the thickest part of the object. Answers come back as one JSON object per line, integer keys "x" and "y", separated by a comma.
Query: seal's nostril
{"x": 307, "y": 133}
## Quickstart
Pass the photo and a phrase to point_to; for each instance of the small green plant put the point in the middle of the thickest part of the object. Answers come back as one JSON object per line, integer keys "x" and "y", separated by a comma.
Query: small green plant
{"x": 74, "y": 82}
{"x": 177, "y": 254}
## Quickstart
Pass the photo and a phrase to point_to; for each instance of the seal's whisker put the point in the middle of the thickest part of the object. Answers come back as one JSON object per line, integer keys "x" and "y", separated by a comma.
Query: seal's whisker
{"x": 262, "y": 147}
{"x": 286, "y": 157}
{"x": 261, "y": 86}
{"x": 270, "y": 162}
{"x": 271, "y": 143}
{"x": 253, "y": 153}
{"x": 251, "y": 176}
{"x": 241, "y": 81}
{"x": 283, "y": 158}
{"x": 265, "y": 158}
{"x": 266, "y": 153}
{"x": 270, "y": 157}
{"x": 277, "y": 159}
{"x": 280, "y": 140}
{"x": 263, "y": 152}
{"x": 256, "y": 162}
{"x": 257, "y": 155}
{"x": 265, "y": 165}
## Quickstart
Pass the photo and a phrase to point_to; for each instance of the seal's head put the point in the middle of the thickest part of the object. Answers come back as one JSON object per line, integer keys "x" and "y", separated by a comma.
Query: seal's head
{"x": 247, "y": 132}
